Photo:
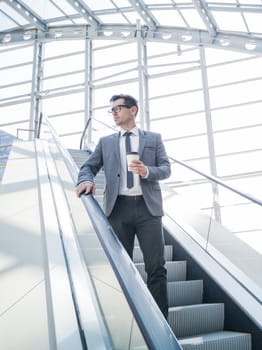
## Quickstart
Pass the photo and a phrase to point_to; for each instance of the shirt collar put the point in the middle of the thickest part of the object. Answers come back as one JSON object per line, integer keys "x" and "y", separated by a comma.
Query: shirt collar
{"x": 134, "y": 131}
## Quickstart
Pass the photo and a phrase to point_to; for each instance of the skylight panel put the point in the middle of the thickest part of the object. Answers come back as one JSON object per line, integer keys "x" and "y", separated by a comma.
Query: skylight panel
{"x": 113, "y": 18}
{"x": 250, "y": 2}
{"x": 80, "y": 21}
{"x": 193, "y": 19}
{"x": 9, "y": 18}
{"x": 223, "y": 2}
{"x": 165, "y": 2}
{"x": 254, "y": 22}
{"x": 99, "y": 4}
{"x": 122, "y": 3}
{"x": 6, "y": 22}
{"x": 169, "y": 18}
{"x": 43, "y": 8}
{"x": 65, "y": 7}
{"x": 68, "y": 22}
{"x": 133, "y": 17}
{"x": 229, "y": 21}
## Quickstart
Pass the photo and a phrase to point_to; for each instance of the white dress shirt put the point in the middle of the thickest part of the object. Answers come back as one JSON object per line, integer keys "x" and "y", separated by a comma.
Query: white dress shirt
{"x": 134, "y": 140}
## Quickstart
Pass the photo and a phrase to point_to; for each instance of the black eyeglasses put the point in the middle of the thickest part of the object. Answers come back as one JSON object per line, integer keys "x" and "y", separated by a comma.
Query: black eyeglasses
{"x": 117, "y": 108}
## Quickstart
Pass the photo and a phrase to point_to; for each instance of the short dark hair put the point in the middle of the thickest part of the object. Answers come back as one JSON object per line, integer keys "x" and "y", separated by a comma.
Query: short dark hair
{"x": 129, "y": 100}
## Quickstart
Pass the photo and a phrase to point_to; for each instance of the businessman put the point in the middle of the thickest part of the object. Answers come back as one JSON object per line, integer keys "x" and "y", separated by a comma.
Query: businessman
{"x": 132, "y": 198}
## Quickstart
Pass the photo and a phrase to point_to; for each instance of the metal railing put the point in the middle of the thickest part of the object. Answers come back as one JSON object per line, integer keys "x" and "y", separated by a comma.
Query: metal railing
{"x": 222, "y": 219}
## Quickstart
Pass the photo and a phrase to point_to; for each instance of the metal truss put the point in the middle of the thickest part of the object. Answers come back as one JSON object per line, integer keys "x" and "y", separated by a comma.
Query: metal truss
{"x": 220, "y": 40}
{"x": 37, "y": 28}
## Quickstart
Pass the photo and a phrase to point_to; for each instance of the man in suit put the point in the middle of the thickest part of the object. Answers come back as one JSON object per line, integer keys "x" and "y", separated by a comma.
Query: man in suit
{"x": 133, "y": 208}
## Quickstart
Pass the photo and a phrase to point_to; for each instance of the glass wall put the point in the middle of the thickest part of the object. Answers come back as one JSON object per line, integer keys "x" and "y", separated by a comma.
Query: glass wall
{"x": 189, "y": 111}
{"x": 16, "y": 67}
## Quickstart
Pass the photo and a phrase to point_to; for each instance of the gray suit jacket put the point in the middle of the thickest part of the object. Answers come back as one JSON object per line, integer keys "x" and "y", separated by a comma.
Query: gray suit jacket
{"x": 107, "y": 155}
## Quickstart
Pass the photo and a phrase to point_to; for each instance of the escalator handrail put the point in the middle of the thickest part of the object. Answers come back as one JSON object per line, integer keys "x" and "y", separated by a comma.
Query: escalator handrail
{"x": 218, "y": 181}
{"x": 213, "y": 179}
{"x": 156, "y": 331}
{"x": 84, "y": 132}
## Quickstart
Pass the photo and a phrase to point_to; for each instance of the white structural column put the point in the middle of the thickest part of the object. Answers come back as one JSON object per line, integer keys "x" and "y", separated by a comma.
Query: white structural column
{"x": 35, "y": 89}
{"x": 88, "y": 87}
{"x": 210, "y": 137}
{"x": 146, "y": 97}
{"x": 142, "y": 79}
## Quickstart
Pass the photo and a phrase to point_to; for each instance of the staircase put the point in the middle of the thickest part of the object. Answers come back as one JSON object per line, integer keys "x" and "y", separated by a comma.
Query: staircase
{"x": 197, "y": 325}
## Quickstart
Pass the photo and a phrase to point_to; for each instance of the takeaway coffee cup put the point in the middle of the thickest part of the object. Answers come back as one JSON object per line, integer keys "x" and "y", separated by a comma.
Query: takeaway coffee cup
{"x": 131, "y": 156}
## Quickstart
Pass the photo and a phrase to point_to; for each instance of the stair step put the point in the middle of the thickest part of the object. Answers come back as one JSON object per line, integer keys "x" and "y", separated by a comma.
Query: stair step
{"x": 100, "y": 179}
{"x": 138, "y": 256}
{"x": 196, "y": 319}
{"x": 185, "y": 293}
{"x": 79, "y": 156}
{"x": 223, "y": 340}
{"x": 176, "y": 270}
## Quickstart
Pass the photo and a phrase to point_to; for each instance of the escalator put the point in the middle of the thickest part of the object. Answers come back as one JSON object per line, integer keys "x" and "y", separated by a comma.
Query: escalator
{"x": 196, "y": 323}
{"x": 66, "y": 282}
{"x": 75, "y": 287}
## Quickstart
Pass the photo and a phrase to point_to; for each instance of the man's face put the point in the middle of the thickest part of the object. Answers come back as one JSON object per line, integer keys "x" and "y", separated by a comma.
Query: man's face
{"x": 123, "y": 115}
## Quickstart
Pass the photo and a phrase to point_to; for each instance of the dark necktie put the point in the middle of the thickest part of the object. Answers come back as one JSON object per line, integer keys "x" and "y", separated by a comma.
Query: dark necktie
{"x": 130, "y": 177}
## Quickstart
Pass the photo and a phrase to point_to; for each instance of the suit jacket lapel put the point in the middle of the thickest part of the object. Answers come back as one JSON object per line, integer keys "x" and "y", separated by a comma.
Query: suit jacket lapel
{"x": 116, "y": 146}
{"x": 142, "y": 141}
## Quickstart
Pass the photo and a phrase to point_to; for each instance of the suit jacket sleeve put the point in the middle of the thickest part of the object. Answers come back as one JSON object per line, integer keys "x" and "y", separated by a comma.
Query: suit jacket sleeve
{"x": 156, "y": 159}
{"x": 92, "y": 166}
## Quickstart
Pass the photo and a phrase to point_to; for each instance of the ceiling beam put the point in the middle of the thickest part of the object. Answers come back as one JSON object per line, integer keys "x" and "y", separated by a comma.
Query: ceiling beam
{"x": 28, "y": 14}
{"x": 81, "y": 7}
{"x": 140, "y": 7}
{"x": 206, "y": 16}
{"x": 222, "y": 40}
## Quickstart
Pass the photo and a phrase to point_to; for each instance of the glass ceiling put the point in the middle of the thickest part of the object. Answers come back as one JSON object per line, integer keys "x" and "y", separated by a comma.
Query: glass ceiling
{"x": 225, "y": 23}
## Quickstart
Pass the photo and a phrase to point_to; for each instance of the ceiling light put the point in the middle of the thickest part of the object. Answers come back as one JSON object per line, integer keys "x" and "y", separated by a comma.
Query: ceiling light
{"x": 124, "y": 34}
{"x": 224, "y": 41}
{"x": 7, "y": 38}
{"x": 77, "y": 32}
{"x": 250, "y": 45}
{"x": 108, "y": 32}
{"x": 166, "y": 36}
{"x": 27, "y": 35}
{"x": 186, "y": 36}
{"x": 58, "y": 34}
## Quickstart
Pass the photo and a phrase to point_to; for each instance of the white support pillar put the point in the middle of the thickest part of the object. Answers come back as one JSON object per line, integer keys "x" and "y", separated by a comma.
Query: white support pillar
{"x": 146, "y": 97}
{"x": 35, "y": 89}
{"x": 210, "y": 137}
{"x": 88, "y": 88}
{"x": 142, "y": 79}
